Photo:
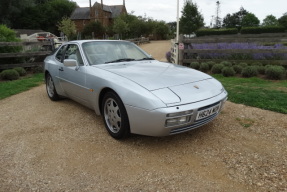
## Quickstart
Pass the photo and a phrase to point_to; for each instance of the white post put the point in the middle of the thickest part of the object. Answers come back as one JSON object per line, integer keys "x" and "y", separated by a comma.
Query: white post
{"x": 177, "y": 33}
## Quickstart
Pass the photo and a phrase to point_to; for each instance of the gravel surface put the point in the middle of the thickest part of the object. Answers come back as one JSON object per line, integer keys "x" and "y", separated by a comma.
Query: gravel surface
{"x": 63, "y": 146}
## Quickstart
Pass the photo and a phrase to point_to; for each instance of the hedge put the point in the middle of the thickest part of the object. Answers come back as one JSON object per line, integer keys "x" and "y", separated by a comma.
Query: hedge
{"x": 205, "y": 32}
{"x": 259, "y": 30}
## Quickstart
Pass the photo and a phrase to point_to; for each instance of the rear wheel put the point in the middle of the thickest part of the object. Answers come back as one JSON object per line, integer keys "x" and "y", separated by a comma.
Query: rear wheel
{"x": 115, "y": 116}
{"x": 50, "y": 87}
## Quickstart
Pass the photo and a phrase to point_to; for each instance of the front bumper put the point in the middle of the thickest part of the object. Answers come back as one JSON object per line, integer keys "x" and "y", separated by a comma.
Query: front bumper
{"x": 152, "y": 123}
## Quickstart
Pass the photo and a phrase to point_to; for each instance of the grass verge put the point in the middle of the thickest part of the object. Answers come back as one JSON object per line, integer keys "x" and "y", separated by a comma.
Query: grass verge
{"x": 256, "y": 92}
{"x": 8, "y": 88}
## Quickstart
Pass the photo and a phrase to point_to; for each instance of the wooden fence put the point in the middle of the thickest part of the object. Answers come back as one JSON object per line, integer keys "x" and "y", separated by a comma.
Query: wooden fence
{"x": 139, "y": 41}
{"x": 33, "y": 53}
{"x": 30, "y": 51}
{"x": 187, "y": 52}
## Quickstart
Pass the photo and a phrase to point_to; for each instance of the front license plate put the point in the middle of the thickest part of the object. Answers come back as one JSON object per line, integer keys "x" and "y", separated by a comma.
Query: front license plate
{"x": 207, "y": 112}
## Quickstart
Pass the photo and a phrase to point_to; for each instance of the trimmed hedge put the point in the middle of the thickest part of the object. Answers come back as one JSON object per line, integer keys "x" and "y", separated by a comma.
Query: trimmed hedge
{"x": 204, "y": 67}
{"x": 237, "y": 69}
{"x": 217, "y": 68}
{"x": 195, "y": 65}
{"x": 250, "y": 71}
{"x": 21, "y": 71}
{"x": 275, "y": 72}
{"x": 228, "y": 72}
{"x": 205, "y": 32}
{"x": 259, "y": 30}
{"x": 9, "y": 74}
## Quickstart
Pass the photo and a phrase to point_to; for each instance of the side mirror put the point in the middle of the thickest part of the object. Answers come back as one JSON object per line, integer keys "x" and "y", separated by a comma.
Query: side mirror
{"x": 70, "y": 63}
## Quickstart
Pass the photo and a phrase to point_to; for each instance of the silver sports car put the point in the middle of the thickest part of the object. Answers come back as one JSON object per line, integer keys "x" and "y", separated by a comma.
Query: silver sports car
{"x": 133, "y": 92}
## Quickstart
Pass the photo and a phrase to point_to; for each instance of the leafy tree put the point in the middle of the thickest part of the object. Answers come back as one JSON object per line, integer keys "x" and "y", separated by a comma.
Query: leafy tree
{"x": 68, "y": 27}
{"x": 234, "y": 20}
{"x": 11, "y": 9}
{"x": 270, "y": 21}
{"x": 7, "y": 35}
{"x": 120, "y": 27}
{"x": 283, "y": 20}
{"x": 94, "y": 27}
{"x": 250, "y": 20}
{"x": 38, "y": 14}
{"x": 191, "y": 19}
{"x": 161, "y": 30}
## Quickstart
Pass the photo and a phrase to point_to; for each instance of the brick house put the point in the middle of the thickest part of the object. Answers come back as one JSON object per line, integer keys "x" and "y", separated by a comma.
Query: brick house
{"x": 105, "y": 14}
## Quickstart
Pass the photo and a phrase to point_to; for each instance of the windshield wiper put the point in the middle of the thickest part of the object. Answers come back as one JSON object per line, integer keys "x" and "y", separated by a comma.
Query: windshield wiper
{"x": 146, "y": 58}
{"x": 120, "y": 60}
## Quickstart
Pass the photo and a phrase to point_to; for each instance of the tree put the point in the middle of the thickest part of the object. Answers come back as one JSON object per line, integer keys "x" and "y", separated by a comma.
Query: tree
{"x": 36, "y": 14}
{"x": 250, "y": 20}
{"x": 270, "y": 20}
{"x": 120, "y": 27}
{"x": 283, "y": 20}
{"x": 191, "y": 19}
{"x": 95, "y": 28}
{"x": 68, "y": 27}
{"x": 234, "y": 20}
{"x": 10, "y": 10}
{"x": 161, "y": 30}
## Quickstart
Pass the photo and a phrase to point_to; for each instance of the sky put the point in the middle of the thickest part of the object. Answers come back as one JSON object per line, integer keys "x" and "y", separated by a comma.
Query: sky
{"x": 166, "y": 10}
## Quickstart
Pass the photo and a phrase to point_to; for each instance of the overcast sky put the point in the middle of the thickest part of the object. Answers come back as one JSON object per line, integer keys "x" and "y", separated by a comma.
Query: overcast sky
{"x": 166, "y": 9}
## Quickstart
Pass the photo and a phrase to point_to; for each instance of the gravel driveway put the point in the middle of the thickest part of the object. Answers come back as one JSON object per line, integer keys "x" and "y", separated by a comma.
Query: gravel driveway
{"x": 63, "y": 146}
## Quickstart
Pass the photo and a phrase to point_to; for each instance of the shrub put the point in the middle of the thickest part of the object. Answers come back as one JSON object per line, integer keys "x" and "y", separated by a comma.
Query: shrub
{"x": 249, "y": 71}
{"x": 261, "y": 69}
{"x": 237, "y": 69}
{"x": 20, "y": 70}
{"x": 168, "y": 56}
{"x": 9, "y": 74}
{"x": 210, "y": 64}
{"x": 228, "y": 72}
{"x": 243, "y": 65}
{"x": 217, "y": 68}
{"x": 275, "y": 72}
{"x": 226, "y": 63}
{"x": 204, "y": 67}
{"x": 194, "y": 65}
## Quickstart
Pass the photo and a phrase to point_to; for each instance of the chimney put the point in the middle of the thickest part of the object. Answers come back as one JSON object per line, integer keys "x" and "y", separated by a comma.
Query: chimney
{"x": 102, "y": 4}
{"x": 124, "y": 3}
{"x": 91, "y": 9}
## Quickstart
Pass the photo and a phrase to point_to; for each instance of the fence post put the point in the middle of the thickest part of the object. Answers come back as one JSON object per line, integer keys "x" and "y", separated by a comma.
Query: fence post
{"x": 180, "y": 51}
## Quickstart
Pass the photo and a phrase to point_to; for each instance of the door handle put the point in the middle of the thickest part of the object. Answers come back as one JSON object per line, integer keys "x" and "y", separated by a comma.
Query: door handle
{"x": 61, "y": 69}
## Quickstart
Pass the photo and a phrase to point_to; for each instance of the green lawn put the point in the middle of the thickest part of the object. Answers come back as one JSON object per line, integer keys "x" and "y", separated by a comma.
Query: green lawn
{"x": 256, "y": 92}
{"x": 8, "y": 88}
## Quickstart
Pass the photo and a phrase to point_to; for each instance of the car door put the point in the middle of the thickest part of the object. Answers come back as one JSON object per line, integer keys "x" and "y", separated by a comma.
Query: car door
{"x": 73, "y": 79}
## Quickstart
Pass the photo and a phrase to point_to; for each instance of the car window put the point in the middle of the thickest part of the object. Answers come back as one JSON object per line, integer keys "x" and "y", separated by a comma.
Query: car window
{"x": 73, "y": 52}
{"x": 60, "y": 53}
{"x": 100, "y": 52}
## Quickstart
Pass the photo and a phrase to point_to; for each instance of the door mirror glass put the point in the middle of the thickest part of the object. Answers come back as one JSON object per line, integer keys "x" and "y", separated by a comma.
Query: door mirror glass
{"x": 70, "y": 63}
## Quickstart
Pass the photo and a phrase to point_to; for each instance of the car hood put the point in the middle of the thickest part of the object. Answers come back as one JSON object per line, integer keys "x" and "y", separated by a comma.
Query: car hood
{"x": 173, "y": 84}
{"x": 154, "y": 75}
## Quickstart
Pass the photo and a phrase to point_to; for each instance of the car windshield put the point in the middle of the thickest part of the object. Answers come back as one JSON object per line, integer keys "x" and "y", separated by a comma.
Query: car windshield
{"x": 104, "y": 52}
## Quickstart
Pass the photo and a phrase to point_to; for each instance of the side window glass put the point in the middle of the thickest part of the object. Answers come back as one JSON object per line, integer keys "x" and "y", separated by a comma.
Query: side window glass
{"x": 60, "y": 53}
{"x": 73, "y": 52}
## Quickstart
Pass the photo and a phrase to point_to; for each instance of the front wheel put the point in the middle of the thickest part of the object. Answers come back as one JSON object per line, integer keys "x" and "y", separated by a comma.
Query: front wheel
{"x": 50, "y": 87}
{"x": 115, "y": 116}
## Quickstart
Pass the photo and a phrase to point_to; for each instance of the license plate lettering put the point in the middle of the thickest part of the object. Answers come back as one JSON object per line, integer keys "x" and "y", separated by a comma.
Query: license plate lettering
{"x": 207, "y": 112}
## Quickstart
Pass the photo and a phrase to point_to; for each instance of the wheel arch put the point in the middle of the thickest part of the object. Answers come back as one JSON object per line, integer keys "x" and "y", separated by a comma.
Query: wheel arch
{"x": 101, "y": 97}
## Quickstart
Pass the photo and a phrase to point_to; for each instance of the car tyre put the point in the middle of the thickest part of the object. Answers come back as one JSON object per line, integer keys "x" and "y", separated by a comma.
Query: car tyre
{"x": 50, "y": 87}
{"x": 115, "y": 116}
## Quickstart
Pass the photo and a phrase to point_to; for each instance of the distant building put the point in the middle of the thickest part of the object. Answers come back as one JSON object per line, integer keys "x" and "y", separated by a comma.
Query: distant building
{"x": 105, "y": 14}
